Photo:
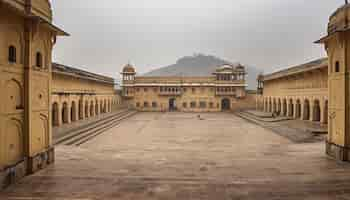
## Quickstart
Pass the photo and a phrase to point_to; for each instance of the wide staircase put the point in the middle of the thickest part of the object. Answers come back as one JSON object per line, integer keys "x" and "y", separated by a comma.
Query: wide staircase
{"x": 81, "y": 133}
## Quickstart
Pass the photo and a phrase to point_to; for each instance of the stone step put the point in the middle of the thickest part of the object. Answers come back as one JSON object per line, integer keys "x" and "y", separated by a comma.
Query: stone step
{"x": 89, "y": 126}
{"x": 99, "y": 130}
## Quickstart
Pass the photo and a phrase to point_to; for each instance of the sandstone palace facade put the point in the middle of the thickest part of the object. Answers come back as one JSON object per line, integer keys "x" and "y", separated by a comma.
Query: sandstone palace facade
{"x": 27, "y": 37}
{"x": 299, "y": 92}
{"x": 223, "y": 90}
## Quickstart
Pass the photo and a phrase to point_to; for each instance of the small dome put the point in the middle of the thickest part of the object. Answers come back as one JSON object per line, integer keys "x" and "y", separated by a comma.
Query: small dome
{"x": 129, "y": 69}
{"x": 224, "y": 67}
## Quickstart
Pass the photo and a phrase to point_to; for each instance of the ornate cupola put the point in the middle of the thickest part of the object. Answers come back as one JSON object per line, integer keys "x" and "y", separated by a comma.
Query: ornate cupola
{"x": 128, "y": 73}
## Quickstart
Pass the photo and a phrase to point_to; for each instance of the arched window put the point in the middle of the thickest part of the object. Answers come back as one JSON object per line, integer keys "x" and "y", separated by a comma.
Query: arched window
{"x": 337, "y": 67}
{"x": 39, "y": 59}
{"x": 12, "y": 54}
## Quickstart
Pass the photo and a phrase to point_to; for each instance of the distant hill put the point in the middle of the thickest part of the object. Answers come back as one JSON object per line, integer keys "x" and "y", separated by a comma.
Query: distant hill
{"x": 201, "y": 65}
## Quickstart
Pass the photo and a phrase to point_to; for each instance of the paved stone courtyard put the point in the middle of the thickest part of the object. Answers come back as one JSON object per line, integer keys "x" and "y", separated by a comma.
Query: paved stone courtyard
{"x": 179, "y": 156}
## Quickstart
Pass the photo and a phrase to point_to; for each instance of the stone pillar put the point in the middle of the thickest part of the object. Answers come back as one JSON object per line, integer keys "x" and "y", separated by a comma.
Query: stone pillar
{"x": 76, "y": 114}
{"x": 302, "y": 110}
{"x": 69, "y": 104}
{"x": 295, "y": 110}
{"x": 311, "y": 110}
{"x": 322, "y": 112}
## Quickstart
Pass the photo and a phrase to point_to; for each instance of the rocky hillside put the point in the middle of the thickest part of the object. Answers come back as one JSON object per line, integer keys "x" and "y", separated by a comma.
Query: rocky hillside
{"x": 201, "y": 65}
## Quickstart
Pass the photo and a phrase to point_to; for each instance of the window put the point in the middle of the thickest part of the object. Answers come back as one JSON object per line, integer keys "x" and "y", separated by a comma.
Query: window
{"x": 145, "y": 90}
{"x": 193, "y": 104}
{"x": 145, "y": 104}
{"x": 185, "y": 89}
{"x": 137, "y": 89}
{"x": 39, "y": 59}
{"x": 193, "y": 90}
{"x": 12, "y": 54}
{"x": 154, "y": 104}
{"x": 211, "y": 105}
{"x": 337, "y": 67}
{"x": 138, "y": 104}
{"x": 202, "y": 104}
{"x": 155, "y": 89}
{"x": 184, "y": 104}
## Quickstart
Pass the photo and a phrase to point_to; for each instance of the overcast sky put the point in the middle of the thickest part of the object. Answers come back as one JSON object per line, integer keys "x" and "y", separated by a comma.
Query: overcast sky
{"x": 268, "y": 34}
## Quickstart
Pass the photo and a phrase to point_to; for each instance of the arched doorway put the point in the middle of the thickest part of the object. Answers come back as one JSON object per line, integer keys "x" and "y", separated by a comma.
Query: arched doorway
{"x": 81, "y": 108}
{"x": 55, "y": 114}
{"x": 225, "y": 104}
{"x": 65, "y": 113}
{"x": 73, "y": 111}
{"x": 172, "y": 104}
{"x": 316, "y": 111}
{"x": 291, "y": 108}
{"x": 96, "y": 107}
{"x": 284, "y": 107}
{"x": 86, "y": 109}
{"x": 298, "y": 109}
{"x": 325, "y": 113}
{"x": 306, "y": 114}
{"x": 92, "y": 108}
{"x": 279, "y": 105}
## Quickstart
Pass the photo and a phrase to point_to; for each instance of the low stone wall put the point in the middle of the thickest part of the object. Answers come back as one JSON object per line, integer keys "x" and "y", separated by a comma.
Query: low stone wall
{"x": 248, "y": 102}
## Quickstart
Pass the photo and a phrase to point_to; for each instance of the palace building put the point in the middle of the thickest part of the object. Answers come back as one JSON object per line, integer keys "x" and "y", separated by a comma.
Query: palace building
{"x": 78, "y": 95}
{"x": 27, "y": 37}
{"x": 337, "y": 44}
{"x": 223, "y": 90}
{"x": 300, "y": 92}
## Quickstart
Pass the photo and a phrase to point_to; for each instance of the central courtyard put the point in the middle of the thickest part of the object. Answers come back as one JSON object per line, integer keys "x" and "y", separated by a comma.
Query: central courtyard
{"x": 187, "y": 156}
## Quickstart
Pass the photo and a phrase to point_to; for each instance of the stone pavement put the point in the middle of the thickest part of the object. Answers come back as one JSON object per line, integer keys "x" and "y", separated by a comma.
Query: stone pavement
{"x": 177, "y": 156}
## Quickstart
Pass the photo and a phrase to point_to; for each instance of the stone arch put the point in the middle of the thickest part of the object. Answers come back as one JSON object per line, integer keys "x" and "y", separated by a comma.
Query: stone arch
{"x": 96, "y": 107}
{"x": 270, "y": 105}
{"x": 274, "y": 105}
{"x": 284, "y": 107}
{"x": 15, "y": 38}
{"x": 291, "y": 108}
{"x": 316, "y": 111}
{"x": 81, "y": 110}
{"x": 65, "y": 113}
{"x": 13, "y": 142}
{"x": 298, "y": 109}
{"x": 86, "y": 109}
{"x": 279, "y": 105}
{"x": 43, "y": 132}
{"x": 92, "y": 108}
{"x": 105, "y": 106}
{"x": 306, "y": 110}
{"x": 14, "y": 95}
{"x": 73, "y": 112}
{"x": 325, "y": 112}
{"x": 101, "y": 106}
{"x": 55, "y": 114}
{"x": 109, "y": 106}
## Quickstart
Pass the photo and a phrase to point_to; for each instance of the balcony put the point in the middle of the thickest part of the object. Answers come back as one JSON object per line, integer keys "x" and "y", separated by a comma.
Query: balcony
{"x": 228, "y": 93}
{"x": 170, "y": 93}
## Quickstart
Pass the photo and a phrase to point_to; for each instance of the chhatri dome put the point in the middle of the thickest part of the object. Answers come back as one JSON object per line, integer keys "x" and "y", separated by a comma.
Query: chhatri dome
{"x": 129, "y": 69}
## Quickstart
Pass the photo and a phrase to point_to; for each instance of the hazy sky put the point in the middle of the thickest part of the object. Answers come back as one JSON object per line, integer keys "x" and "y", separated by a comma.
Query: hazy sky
{"x": 268, "y": 34}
